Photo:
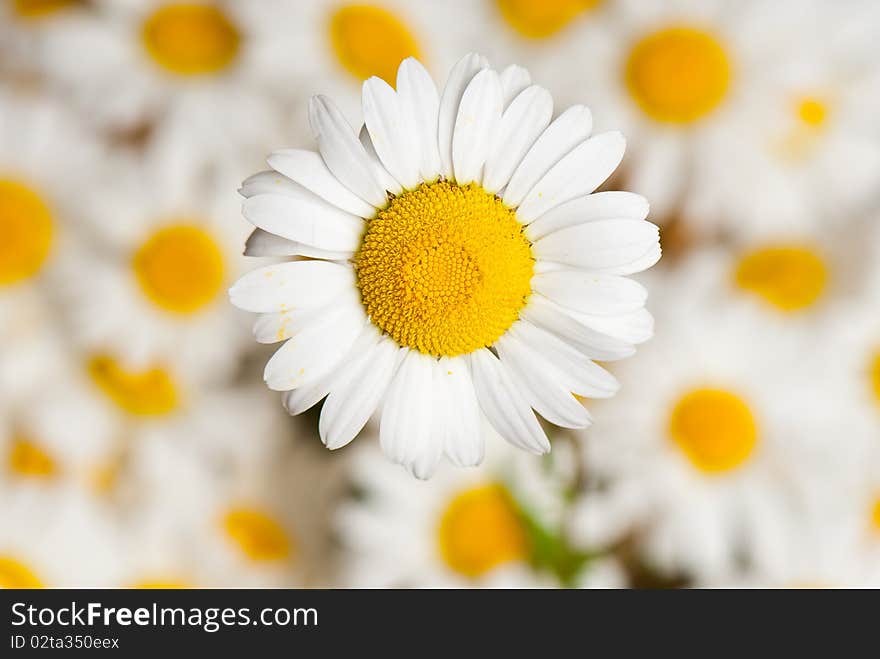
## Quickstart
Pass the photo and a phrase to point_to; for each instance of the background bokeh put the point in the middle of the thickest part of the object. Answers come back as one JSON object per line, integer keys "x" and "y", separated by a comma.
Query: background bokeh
{"x": 139, "y": 447}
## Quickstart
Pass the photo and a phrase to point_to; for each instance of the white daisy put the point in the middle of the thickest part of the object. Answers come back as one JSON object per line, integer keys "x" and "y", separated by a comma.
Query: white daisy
{"x": 23, "y": 26}
{"x": 202, "y": 79}
{"x": 195, "y": 523}
{"x": 449, "y": 264}
{"x": 496, "y": 526}
{"x": 44, "y": 165}
{"x": 699, "y": 460}
{"x": 716, "y": 105}
{"x": 57, "y": 538}
{"x": 154, "y": 290}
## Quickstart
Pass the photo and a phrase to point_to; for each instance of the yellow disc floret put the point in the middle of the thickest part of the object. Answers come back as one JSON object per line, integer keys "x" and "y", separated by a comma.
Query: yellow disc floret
{"x": 27, "y": 458}
{"x": 789, "y": 277}
{"x": 15, "y": 574}
{"x": 678, "y": 75}
{"x": 370, "y": 41}
{"x": 150, "y": 392}
{"x": 191, "y": 39}
{"x": 35, "y": 9}
{"x": 538, "y": 19}
{"x": 714, "y": 428}
{"x": 180, "y": 268}
{"x": 25, "y": 232}
{"x": 481, "y": 529}
{"x": 256, "y": 534}
{"x": 445, "y": 269}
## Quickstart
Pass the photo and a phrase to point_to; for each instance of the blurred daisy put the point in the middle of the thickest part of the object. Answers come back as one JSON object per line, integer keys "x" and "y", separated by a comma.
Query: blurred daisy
{"x": 45, "y": 163}
{"x": 397, "y": 294}
{"x": 468, "y": 528}
{"x": 59, "y": 538}
{"x": 155, "y": 290}
{"x": 698, "y": 460}
{"x": 198, "y": 77}
{"x": 196, "y": 525}
{"x": 23, "y": 26}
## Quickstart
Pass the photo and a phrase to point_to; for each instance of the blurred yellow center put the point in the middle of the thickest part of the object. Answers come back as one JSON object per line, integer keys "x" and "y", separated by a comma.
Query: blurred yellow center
{"x": 714, "y": 428}
{"x": 150, "y": 392}
{"x": 259, "y": 536}
{"x": 160, "y": 584}
{"x": 370, "y": 41}
{"x": 27, "y": 458}
{"x": 191, "y": 39}
{"x": 444, "y": 269}
{"x": 812, "y": 112}
{"x": 678, "y": 75}
{"x": 875, "y": 376}
{"x": 480, "y": 530}
{"x": 180, "y": 268}
{"x": 789, "y": 277}
{"x": 39, "y": 8}
{"x": 15, "y": 574}
{"x": 25, "y": 232}
{"x": 875, "y": 514}
{"x": 537, "y": 19}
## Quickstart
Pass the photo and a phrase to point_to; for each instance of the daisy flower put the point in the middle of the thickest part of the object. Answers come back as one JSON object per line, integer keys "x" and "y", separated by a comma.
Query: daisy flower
{"x": 715, "y": 106}
{"x": 699, "y": 460}
{"x": 59, "y": 538}
{"x": 154, "y": 290}
{"x": 449, "y": 264}
{"x": 23, "y": 26}
{"x": 494, "y": 526}
{"x": 44, "y": 165}
{"x": 199, "y": 78}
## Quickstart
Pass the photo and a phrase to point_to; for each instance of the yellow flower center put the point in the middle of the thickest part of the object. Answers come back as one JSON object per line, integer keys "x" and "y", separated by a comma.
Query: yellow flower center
{"x": 538, "y": 19}
{"x": 678, "y": 75}
{"x": 15, "y": 574}
{"x": 160, "y": 584}
{"x": 34, "y": 9}
{"x": 25, "y": 232}
{"x": 191, "y": 39}
{"x": 714, "y": 428}
{"x": 480, "y": 530}
{"x": 180, "y": 268}
{"x": 150, "y": 392}
{"x": 812, "y": 112}
{"x": 444, "y": 269}
{"x": 28, "y": 459}
{"x": 370, "y": 41}
{"x": 875, "y": 376}
{"x": 259, "y": 536}
{"x": 789, "y": 277}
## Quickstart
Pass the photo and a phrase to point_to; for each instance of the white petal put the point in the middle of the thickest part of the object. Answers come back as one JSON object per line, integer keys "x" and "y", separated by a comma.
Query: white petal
{"x": 514, "y": 79}
{"x": 343, "y": 154}
{"x": 580, "y": 172}
{"x": 419, "y": 99}
{"x": 575, "y": 372}
{"x": 268, "y": 182}
{"x": 600, "y": 244}
{"x": 456, "y": 413}
{"x": 315, "y": 350}
{"x": 521, "y": 124}
{"x": 392, "y": 132}
{"x": 633, "y": 327}
{"x": 479, "y": 116}
{"x": 381, "y": 174}
{"x": 594, "y": 344}
{"x": 405, "y": 427}
{"x": 302, "y": 398}
{"x": 281, "y": 325}
{"x": 567, "y": 131}
{"x": 504, "y": 405}
{"x": 309, "y": 170}
{"x": 645, "y": 261}
{"x": 350, "y": 405}
{"x": 592, "y": 293}
{"x": 542, "y": 384}
{"x": 608, "y": 205}
{"x": 293, "y": 285}
{"x": 305, "y": 219}
{"x": 459, "y": 78}
{"x": 263, "y": 243}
